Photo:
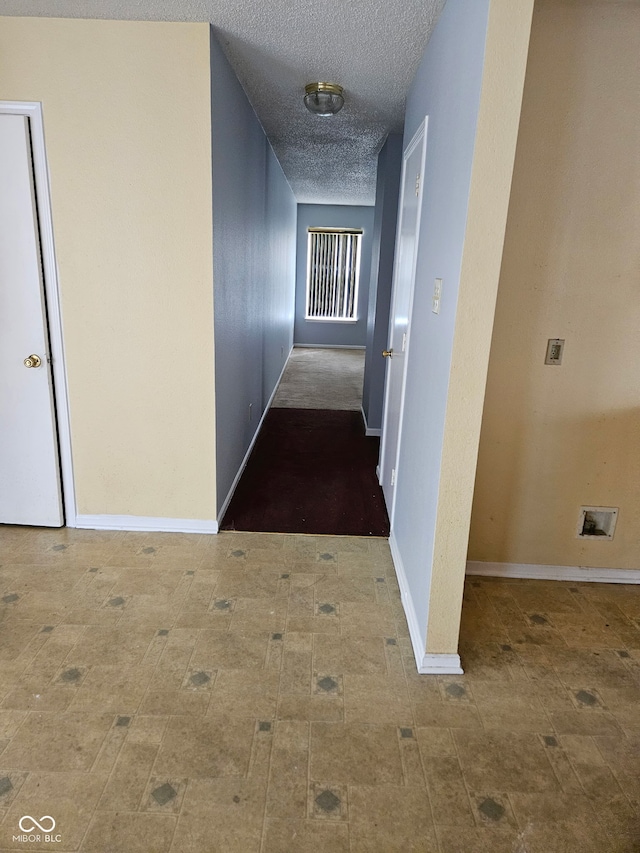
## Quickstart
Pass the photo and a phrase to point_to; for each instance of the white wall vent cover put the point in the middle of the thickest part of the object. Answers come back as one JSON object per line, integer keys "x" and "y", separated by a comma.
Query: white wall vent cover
{"x": 597, "y": 522}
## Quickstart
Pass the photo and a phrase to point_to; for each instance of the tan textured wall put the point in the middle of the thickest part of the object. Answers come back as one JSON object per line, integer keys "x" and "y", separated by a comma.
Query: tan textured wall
{"x": 126, "y": 111}
{"x": 556, "y": 438}
{"x": 500, "y": 102}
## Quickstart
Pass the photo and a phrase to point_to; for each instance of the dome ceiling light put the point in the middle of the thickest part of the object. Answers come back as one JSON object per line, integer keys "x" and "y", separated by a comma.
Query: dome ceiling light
{"x": 323, "y": 99}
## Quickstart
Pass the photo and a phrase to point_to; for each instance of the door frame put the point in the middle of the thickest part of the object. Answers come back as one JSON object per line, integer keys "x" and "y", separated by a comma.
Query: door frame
{"x": 33, "y": 111}
{"x": 419, "y": 137}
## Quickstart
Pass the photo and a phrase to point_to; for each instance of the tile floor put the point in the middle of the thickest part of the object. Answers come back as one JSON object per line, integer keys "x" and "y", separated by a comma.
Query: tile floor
{"x": 257, "y": 693}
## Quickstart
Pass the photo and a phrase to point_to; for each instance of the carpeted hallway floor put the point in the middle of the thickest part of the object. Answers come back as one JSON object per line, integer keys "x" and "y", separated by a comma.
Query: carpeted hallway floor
{"x": 316, "y": 378}
{"x": 312, "y": 469}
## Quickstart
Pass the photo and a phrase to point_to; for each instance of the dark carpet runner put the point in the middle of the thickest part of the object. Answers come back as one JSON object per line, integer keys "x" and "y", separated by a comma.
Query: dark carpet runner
{"x": 311, "y": 471}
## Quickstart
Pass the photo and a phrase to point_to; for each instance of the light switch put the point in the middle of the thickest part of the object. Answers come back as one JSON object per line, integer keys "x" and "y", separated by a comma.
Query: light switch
{"x": 437, "y": 296}
{"x": 555, "y": 348}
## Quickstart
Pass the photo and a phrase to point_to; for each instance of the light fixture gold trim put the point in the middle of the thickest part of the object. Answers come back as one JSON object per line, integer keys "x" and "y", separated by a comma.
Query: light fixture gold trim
{"x": 333, "y": 88}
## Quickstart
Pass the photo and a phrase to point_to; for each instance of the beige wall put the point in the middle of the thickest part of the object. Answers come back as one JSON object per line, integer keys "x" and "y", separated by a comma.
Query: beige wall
{"x": 126, "y": 111}
{"x": 556, "y": 438}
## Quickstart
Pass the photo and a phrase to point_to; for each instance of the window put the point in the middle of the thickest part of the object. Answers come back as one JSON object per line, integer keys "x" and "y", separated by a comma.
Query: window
{"x": 333, "y": 270}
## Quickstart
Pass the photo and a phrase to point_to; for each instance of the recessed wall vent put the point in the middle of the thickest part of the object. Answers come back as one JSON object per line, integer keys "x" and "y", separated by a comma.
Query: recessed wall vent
{"x": 597, "y": 522}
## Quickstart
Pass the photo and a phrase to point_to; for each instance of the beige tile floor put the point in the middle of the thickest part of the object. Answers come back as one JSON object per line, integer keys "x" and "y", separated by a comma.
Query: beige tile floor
{"x": 257, "y": 693}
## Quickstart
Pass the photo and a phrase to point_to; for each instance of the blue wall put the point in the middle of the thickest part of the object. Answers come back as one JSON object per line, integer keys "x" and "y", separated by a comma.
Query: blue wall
{"x": 447, "y": 89}
{"x": 337, "y": 216}
{"x": 254, "y": 227}
{"x": 384, "y": 244}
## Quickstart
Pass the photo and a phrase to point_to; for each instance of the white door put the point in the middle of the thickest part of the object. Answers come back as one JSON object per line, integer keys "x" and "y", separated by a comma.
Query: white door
{"x": 402, "y": 299}
{"x": 30, "y": 487}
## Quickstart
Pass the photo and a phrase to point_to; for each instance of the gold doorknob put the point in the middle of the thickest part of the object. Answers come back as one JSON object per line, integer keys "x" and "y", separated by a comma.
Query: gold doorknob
{"x": 33, "y": 361}
{"x": 387, "y": 353}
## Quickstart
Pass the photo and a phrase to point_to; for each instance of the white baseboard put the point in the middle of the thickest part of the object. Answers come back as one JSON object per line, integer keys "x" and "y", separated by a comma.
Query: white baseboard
{"x": 327, "y": 346}
{"x": 369, "y": 430}
{"x": 534, "y": 571}
{"x": 243, "y": 464}
{"x": 427, "y": 664}
{"x": 146, "y": 524}
{"x": 440, "y": 664}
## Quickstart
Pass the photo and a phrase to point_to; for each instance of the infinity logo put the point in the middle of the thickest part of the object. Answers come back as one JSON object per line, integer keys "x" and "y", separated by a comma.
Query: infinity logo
{"x": 32, "y": 823}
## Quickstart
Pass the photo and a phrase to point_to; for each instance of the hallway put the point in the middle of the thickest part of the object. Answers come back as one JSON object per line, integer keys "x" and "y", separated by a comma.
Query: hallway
{"x": 313, "y": 469}
{"x": 256, "y": 693}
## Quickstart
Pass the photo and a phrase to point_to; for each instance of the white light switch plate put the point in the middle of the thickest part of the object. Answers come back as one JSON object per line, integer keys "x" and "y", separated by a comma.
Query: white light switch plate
{"x": 555, "y": 348}
{"x": 437, "y": 296}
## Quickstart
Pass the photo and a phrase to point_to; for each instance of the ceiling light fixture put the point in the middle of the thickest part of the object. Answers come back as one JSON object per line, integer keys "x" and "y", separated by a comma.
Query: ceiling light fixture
{"x": 323, "y": 99}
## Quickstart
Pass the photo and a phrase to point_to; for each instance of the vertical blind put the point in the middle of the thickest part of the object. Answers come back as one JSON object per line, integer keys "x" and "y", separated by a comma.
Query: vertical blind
{"x": 333, "y": 270}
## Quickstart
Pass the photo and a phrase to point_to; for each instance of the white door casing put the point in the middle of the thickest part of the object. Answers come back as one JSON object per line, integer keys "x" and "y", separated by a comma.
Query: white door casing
{"x": 30, "y": 461}
{"x": 404, "y": 272}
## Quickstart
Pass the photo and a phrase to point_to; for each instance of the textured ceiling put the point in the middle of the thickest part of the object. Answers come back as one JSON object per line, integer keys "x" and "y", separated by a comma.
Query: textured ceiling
{"x": 370, "y": 47}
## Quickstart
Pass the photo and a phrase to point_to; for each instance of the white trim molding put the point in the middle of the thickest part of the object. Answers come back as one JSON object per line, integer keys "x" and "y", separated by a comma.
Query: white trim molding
{"x": 33, "y": 111}
{"x": 440, "y": 664}
{"x": 426, "y": 663}
{"x": 369, "y": 431}
{"x": 328, "y": 346}
{"x": 417, "y": 640}
{"x": 533, "y": 571}
{"x": 243, "y": 464}
{"x": 146, "y": 524}
{"x": 419, "y": 139}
